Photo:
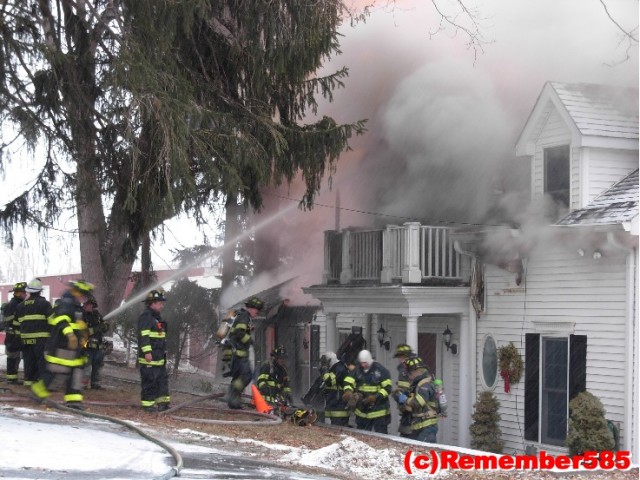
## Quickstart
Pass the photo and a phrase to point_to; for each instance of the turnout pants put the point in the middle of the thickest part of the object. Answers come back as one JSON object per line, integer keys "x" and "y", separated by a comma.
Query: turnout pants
{"x": 95, "y": 362}
{"x": 67, "y": 365}
{"x": 378, "y": 425}
{"x": 154, "y": 383}
{"x": 12, "y": 347}
{"x": 240, "y": 378}
{"x": 34, "y": 362}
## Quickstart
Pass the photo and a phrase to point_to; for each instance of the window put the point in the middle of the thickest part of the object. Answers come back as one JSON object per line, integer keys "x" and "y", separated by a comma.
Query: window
{"x": 555, "y": 372}
{"x": 489, "y": 362}
{"x": 556, "y": 174}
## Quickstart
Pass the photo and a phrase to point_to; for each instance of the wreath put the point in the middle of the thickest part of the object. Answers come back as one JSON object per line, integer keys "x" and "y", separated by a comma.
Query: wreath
{"x": 510, "y": 364}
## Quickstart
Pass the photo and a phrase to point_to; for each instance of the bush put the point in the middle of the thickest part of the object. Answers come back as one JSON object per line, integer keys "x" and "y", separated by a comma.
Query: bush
{"x": 588, "y": 430}
{"x": 485, "y": 430}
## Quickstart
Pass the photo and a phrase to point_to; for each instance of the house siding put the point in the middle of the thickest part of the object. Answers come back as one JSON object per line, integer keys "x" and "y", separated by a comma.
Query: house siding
{"x": 554, "y": 133}
{"x": 560, "y": 287}
{"x": 607, "y": 167}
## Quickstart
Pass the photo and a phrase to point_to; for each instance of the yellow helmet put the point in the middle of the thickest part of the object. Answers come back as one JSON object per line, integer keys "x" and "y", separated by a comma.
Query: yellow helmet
{"x": 81, "y": 286}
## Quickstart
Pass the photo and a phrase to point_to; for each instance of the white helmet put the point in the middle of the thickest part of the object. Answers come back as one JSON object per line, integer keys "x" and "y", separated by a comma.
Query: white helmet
{"x": 365, "y": 357}
{"x": 34, "y": 286}
{"x": 332, "y": 358}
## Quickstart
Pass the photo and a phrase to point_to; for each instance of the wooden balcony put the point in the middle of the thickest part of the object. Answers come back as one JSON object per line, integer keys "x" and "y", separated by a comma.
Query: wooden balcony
{"x": 407, "y": 254}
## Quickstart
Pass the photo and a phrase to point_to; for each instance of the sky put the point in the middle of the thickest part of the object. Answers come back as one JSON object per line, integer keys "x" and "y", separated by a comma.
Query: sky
{"x": 442, "y": 122}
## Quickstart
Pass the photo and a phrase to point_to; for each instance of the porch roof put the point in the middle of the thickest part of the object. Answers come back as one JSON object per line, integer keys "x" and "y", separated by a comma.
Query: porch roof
{"x": 391, "y": 299}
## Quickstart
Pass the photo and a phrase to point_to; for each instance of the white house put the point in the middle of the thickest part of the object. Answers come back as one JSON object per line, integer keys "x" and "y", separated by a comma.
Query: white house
{"x": 564, "y": 295}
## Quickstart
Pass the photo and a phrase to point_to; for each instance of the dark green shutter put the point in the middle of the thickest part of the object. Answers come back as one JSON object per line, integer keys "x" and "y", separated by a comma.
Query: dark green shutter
{"x": 531, "y": 386}
{"x": 577, "y": 364}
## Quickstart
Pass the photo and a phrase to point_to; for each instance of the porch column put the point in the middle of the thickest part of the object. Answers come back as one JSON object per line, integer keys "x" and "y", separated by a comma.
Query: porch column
{"x": 466, "y": 381}
{"x": 386, "y": 274}
{"x": 347, "y": 272}
{"x": 411, "y": 272}
{"x": 332, "y": 332}
{"x": 412, "y": 331}
{"x": 374, "y": 346}
{"x": 326, "y": 273}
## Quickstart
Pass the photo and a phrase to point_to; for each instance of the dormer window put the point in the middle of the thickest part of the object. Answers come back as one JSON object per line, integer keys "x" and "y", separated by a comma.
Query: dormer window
{"x": 556, "y": 174}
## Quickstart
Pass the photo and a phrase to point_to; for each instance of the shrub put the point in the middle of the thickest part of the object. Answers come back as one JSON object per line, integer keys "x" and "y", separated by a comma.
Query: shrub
{"x": 485, "y": 430}
{"x": 588, "y": 430}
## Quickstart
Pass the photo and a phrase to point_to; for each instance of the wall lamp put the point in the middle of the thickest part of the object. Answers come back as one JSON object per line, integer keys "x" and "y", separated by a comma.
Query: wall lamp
{"x": 446, "y": 336}
{"x": 382, "y": 338}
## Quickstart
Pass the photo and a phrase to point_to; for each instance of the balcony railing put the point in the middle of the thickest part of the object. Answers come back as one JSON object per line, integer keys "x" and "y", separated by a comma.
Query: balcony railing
{"x": 411, "y": 253}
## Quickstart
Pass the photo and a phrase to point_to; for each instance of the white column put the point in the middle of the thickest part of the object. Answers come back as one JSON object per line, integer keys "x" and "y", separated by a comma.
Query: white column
{"x": 332, "y": 332}
{"x": 411, "y": 272}
{"x": 326, "y": 274}
{"x": 374, "y": 346}
{"x": 386, "y": 272}
{"x": 465, "y": 381}
{"x": 347, "y": 272}
{"x": 412, "y": 331}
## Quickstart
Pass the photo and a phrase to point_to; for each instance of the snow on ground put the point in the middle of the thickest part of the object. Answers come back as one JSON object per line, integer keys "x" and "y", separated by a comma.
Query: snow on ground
{"x": 38, "y": 443}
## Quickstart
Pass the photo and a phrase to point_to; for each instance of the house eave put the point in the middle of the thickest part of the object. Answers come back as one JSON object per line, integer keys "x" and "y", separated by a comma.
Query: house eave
{"x": 391, "y": 299}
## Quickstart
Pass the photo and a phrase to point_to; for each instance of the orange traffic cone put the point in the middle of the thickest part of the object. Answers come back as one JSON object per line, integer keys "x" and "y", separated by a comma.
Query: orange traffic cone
{"x": 261, "y": 405}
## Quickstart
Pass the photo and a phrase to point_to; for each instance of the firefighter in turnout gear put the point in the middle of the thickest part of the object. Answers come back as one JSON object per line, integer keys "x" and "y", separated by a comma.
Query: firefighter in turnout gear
{"x": 273, "y": 379}
{"x": 336, "y": 409}
{"x": 32, "y": 315}
{"x": 422, "y": 403}
{"x": 369, "y": 386}
{"x": 95, "y": 348}
{"x": 239, "y": 338}
{"x": 403, "y": 387}
{"x": 63, "y": 352}
{"x": 12, "y": 342}
{"x": 152, "y": 354}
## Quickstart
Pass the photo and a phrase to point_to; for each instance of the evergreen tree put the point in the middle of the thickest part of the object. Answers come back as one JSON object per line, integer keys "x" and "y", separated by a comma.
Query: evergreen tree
{"x": 588, "y": 430}
{"x": 150, "y": 108}
{"x": 485, "y": 429}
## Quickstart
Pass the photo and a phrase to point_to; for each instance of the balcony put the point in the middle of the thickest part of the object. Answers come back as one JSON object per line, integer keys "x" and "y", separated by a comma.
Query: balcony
{"x": 407, "y": 254}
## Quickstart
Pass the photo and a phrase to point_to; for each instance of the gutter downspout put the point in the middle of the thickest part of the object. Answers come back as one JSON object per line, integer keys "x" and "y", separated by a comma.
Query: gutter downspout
{"x": 465, "y": 417}
{"x": 630, "y": 387}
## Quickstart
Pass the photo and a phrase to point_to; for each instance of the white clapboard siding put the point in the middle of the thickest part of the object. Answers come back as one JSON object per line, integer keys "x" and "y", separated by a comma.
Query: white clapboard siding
{"x": 554, "y": 133}
{"x": 563, "y": 287}
{"x": 607, "y": 167}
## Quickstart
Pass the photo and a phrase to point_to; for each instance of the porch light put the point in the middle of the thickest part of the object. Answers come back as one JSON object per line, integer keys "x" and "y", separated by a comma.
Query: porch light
{"x": 382, "y": 340}
{"x": 446, "y": 336}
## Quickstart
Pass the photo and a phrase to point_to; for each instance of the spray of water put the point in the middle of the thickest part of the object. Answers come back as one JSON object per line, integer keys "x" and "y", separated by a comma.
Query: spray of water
{"x": 180, "y": 272}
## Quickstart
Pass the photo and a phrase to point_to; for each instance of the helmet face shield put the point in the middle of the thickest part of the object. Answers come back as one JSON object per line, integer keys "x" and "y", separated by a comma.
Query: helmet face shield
{"x": 157, "y": 295}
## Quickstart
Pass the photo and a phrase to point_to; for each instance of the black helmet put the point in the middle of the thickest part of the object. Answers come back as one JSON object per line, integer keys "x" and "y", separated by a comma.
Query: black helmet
{"x": 279, "y": 352}
{"x": 82, "y": 286}
{"x": 254, "y": 302}
{"x": 155, "y": 296}
{"x": 403, "y": 350}
{"x": 20, "y": 287}
{"x": 414, "y": 363}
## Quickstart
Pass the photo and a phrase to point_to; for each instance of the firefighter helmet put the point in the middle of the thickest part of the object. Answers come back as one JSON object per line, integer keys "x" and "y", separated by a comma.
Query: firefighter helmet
{"x": 403, "y": 350}
{"x": 81, "y": 286}
{"x": 414, "y": 363}
{"x": 156, "y": 295}
{"x": 34, "y": 286}
{"x": 20, "y": 287}
{"x": 254, "y": 302}
{"x": 279, "y": 352}
{"x": 329, "y": 359}
{"x": 303, "y": 417}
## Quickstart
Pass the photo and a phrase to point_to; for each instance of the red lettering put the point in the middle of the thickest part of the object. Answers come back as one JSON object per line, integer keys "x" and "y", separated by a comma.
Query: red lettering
{"x": 623, "y": 462}
{"x": 506, "y": 462}
{"x": 563, "y": 462}
{"x": 421, "y": 462}
{"x": 590, "y": 461}
{"x": 526, "y": 462}
{"x": 407, "y": 462}
{"x": 466, "y": 462}
{"x": 486, "y": 462}
{"x": 546, "y": 461}
{"x": 449, "y": 460}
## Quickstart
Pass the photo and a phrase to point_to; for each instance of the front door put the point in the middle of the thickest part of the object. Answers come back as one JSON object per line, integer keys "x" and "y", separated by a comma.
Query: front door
{"x": 427, "y": 349}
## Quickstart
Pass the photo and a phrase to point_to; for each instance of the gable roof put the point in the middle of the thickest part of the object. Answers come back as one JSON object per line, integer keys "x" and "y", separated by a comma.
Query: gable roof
{"x": 597, "y": 115}
{"x": 615, "y": 206}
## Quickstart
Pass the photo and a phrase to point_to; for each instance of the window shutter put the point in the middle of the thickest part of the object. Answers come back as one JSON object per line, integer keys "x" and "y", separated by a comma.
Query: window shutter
{"x": 577, "y": 364}
{"x": 531, "y": 386}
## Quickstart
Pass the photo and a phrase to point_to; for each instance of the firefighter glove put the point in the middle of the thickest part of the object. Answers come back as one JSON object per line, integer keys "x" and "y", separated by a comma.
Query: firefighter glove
{"x": 370, "y": 400}
{"x": 402, "y": 398}
{"x": 72, "y": 341}
{"x": 347, "y": 395}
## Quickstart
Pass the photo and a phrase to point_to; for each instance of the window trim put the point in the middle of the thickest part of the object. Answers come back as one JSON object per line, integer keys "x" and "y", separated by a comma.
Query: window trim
{"x": 482, "y": 379}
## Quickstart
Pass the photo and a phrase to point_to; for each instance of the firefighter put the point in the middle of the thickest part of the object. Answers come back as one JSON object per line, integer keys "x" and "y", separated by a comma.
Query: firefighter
{"x": 63, "y": 352}
{"x": 152, "y": 354}
{"x": 32, "y": 315}
{"x": 273, "y": 379}
{"x": 335, "y": 409}
{"x": 368, "y": 388}
{"x": 240, "y": 340}
{"x": 12, "y": 342}
{"x": 95, "y": 348}
{"x": 422, "y": 403}
{"x": 403, "y": 386}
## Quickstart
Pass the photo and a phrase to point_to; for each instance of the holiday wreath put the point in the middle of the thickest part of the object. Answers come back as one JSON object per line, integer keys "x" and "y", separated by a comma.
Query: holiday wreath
{"x": 510, "y": 365}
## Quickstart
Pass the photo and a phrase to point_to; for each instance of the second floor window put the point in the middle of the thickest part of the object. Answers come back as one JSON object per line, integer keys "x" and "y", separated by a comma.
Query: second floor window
{"x": 556, "y": 174}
